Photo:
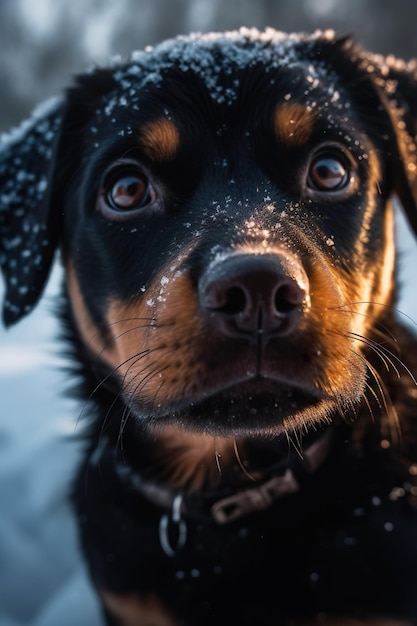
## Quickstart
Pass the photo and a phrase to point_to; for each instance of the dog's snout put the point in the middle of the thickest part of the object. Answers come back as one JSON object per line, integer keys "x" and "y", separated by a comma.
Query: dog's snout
{"x": 254, "y": 294}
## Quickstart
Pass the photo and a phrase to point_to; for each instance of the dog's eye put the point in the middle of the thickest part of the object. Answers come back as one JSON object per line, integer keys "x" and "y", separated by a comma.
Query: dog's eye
{"x": 128, "y": 192}
{"x": 328, "y": 173}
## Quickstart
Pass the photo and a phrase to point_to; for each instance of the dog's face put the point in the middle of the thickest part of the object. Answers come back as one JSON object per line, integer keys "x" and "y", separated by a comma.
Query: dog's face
{"x": 222, "y": 204}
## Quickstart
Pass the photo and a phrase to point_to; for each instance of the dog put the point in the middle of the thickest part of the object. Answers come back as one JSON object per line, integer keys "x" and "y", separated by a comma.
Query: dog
{"x": 223, "y": 209}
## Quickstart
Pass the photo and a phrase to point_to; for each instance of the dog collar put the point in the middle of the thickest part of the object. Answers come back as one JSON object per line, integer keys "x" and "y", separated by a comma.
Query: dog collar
{"x": 224, "y": 508}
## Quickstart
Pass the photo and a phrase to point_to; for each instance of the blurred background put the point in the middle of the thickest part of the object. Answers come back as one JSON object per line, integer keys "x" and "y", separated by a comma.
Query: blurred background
{"x": 43, "y": 43}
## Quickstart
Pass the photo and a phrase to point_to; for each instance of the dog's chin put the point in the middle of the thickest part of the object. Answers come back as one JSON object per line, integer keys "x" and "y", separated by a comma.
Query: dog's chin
{"x": 248, "y": 409}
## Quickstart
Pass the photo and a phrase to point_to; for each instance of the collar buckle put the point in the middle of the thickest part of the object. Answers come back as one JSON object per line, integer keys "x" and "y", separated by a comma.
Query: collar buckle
{"x": 256, "y": 499}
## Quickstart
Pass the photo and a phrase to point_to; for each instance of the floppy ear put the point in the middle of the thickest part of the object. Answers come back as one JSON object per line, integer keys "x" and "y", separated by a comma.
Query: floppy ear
{"x": 29, "y": 223}
{"x": 396, "y": 82}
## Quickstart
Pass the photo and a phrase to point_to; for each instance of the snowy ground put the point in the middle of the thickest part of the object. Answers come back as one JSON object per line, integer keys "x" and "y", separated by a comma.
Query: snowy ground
{"x": 42, "y": 577}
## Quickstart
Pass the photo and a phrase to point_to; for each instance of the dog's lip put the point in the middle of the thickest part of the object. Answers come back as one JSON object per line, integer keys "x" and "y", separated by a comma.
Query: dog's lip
{"x": 251, "y": 406}
{"x": 249, "y": 395}
{"x": 260, "y": 384}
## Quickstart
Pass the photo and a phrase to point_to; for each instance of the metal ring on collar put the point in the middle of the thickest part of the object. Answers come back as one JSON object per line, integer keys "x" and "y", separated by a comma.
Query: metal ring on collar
{"x": 173, "y": 519}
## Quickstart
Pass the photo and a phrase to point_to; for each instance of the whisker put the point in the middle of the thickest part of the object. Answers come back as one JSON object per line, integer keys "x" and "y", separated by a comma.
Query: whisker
{"x": 152, "y": 323}
{"x": 129, "y": 330}
{"x": 386, "y": 355}
{"x": 131, "y": 319}
{"x": 239, "y": 460}
{"x": 383, "y": 397}
{"x": 146, "y": 379}
{"x": 124, "y": 419}
{"x": 374, "y": 303}
{"x": 296, "y": 445}
{"x": 108, "y": 413}
{"x": 393, "y": 418}
{"x": 106, "y": 378}
{"x": 115, "y": 369}
{"x": 96, "y": 335}
{"x": 217, "y": 456}
{"x": 376, "y": 323}
{"x": 378, "y": 349}
{"x": 119, "y": 394}
{"x": 135, "y": 357}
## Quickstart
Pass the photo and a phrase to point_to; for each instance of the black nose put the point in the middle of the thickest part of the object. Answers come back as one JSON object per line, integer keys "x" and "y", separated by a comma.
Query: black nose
{"x": 255, "y": 295}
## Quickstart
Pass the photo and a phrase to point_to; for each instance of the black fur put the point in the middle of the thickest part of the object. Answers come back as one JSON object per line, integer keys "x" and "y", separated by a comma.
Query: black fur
{"x": 236, "y": 331}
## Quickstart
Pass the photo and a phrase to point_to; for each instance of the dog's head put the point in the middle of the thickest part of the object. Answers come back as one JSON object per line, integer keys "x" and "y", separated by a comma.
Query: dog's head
{"x": 222, "y": 205}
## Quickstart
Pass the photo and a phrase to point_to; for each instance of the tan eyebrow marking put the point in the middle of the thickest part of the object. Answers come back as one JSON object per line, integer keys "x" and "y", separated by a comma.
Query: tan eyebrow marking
{"x": 293, "y": 123}
{"x": 160, "y": 139}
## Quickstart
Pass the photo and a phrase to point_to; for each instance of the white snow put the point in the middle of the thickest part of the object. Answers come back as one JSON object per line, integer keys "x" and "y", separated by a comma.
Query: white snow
{"x": 270, "y": 47}
{"x": 43, "y": 110}
{"x": 43, "y": 581}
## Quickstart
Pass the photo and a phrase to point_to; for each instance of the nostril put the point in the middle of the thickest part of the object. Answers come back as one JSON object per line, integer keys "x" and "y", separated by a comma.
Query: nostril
{"x": 288, "y": 297}
{"x": 235, "y": 301}
{"x": 220, "y": 298}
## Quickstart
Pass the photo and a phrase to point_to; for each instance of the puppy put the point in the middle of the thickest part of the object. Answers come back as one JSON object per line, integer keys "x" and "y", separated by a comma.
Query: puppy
{"x": 222, "y": 204}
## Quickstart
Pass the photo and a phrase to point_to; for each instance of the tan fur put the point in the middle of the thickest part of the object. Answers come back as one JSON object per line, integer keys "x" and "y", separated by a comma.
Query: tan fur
{"x": 196, "y": 461}
{"x": 293, "y": 123}
{"x": 88, "y": 330}
{"x": 132, "y": 611}
{"x": 160, "y": 139}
